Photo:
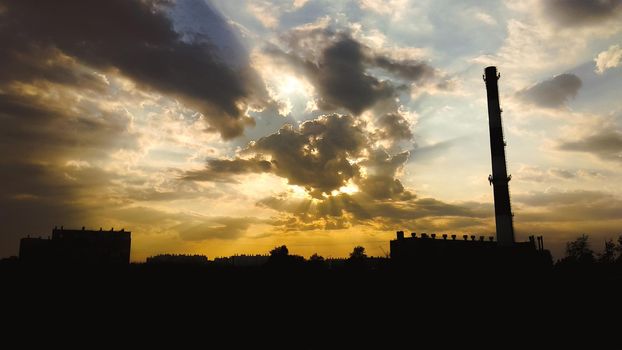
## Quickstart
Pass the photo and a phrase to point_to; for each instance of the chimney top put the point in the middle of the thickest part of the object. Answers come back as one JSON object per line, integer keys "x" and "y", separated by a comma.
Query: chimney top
{"x": 491, "y": 71}
{"x": 400, "y": 234}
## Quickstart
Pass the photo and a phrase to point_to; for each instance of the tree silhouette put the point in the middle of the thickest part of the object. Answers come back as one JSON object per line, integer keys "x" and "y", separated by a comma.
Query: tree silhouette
{"x": 618, "y": 249}
{"x": 316, "y": 258}
{"x": 317, "y": 262}
{"x": 578, "y": 251}
{"x": 279, "y": 251}
{"x": 358, "y": 259}
{"x": 358, "y": 253}
{"x": 281, "y": 259}
{"x": 608, "y": 256}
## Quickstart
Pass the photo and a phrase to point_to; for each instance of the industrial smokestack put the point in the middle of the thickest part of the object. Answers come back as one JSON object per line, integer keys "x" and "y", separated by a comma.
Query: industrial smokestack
{"x": 499, "y": 178}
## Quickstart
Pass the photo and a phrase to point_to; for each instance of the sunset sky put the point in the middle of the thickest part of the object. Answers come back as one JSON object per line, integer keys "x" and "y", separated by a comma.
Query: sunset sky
{"x": 229, "y": 126}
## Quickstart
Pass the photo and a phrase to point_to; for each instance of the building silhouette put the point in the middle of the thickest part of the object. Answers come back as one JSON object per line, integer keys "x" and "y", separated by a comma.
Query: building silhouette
{"x": 178, "y": 259}
{"x": 87, "y": 247}
{"x": 243, "y": 260}
{"x": 473, "y": 250}
{"x": 464, "y": 251}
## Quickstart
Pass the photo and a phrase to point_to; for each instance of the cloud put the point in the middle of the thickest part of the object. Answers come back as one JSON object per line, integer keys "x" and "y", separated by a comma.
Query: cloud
{"x": 361, "y": 209}
{"x": 605, "y": 144}
{"x": 342, "y": 79}
{"x": 394, "y": 126}
{"x": 562, "y": 173}
{"x": 485, "y": 18}
{"x": 215, "y": 228}
{"x": 187, "y": 226}
{"x": 608, "y": 59}
{"x": 269, "y": 12}
{"x": 581, "y": 12}
{"x": 410, "y": 70}
{"x": 134, "y": 38}
{"x": 421, "y": 154}
{"x": 339, "y": 75}
{"x": 553, "y": 175}
{"x": 316, "y": 156}
{"x": 223, "y": 170}
{"x": 390, "y": 7}
{"x": 339, "y": 67}
{"x": 40, "y": 128}
{"x": 545, "y": 36}
{"x": 578, "y": 205}
{"x": 322, "y": 156}
{"x": 552, "y": 93}
{"x": 380, "y": 180}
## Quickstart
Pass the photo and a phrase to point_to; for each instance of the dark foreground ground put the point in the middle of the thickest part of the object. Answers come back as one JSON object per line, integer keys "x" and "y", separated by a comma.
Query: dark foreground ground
{"x": 304, "y": 308}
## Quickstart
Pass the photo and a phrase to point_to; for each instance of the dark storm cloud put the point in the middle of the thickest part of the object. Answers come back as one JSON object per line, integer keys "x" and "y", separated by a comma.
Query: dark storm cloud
{"x": 408, "y": 69}
{"x": 380, "y": 181}
{"x": 322, "y": 155}
{"x": 135, "y": 38}
{"x": 222, "y": 170}
{"x": 339, "y": 76}
{"x": 316, "y": 155}
{"x": 552, "y": 93}
{"x": 38, "y": 129}
{"x": 361, "y": 209}
{"x": 26, "y": 62}
{"x": 342, "y": 79}
{"x": 606, "y": 144}
{"x": 394, "y": 126}
{"x": 338, "y": 66}
{"x": 582, "y": 12}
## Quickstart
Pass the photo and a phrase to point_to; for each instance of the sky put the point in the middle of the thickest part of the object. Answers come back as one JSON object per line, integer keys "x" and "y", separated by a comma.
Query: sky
{"x": 228, "y": 127}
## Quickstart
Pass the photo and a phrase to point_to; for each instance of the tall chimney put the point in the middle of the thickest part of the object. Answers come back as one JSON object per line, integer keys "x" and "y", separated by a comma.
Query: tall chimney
{"x": 499, "y": 178}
